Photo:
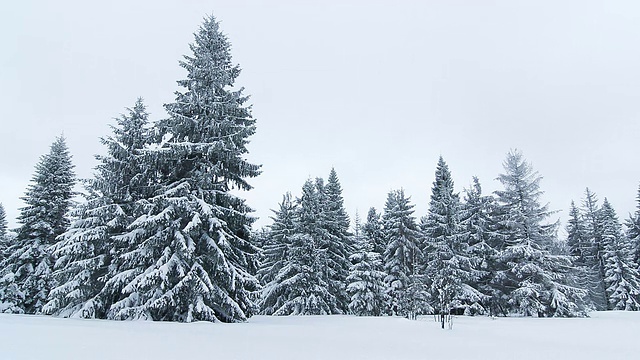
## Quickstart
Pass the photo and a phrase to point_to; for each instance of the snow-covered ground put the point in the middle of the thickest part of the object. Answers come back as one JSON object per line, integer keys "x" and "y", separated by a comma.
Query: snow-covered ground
{"x": 612, "y": 335}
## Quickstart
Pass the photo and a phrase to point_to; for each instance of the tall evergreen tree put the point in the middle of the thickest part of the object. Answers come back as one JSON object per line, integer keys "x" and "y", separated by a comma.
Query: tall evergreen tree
{"x": 194, "y": 259}
{"x": 27, "y": 269}
{"x": 536, "y": 281}
{"x": 449, "y": 265}
{"x": 594, "y": 253}
{"x": 621, "y": 272}
{"x": 402, "y": 255}
{"x": 338, "y": 241}
{"x": 88, "y": 251}
{"x": 478, "y": 228}
{"x": 578, "y": 247}
{"x": 366, "y": 278}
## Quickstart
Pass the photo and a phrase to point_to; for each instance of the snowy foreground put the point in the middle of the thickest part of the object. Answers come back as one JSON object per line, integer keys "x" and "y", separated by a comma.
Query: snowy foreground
{"x": 611, "y": 335}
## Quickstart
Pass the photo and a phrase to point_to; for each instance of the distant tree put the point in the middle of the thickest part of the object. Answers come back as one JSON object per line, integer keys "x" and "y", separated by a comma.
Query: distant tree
{"x": 4, "y": 243}
{"x": 276, "y": 255}
{"x": 621, "y": 272}
{"x": 579, "y": 248}
{"x": 10, "y": 296}
{"x": 478, "y": 228}
{"x": 402, "y": 255}
{"x": 536, "y": 280}
{"x": 576, "y": 238}
{"x": 26, "y": 272}
{"x": 299, "y": 287}
{"x": 449, "y": 265}
{"x": 278, "y": 240}
{"x": 372, "y": 229}
{"x": 88, "y": 252}
{"x": 633, "y": 230}
{"x": 365, "y": 283}
{"x": 3, "y": 222}
{"x": 195, "y": 259}
{"x": 338, "y": 240}
{"x": 594, "y": 254}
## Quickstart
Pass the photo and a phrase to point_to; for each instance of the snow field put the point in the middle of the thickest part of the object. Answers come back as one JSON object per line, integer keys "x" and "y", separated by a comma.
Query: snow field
{"x": 610, "y": 335}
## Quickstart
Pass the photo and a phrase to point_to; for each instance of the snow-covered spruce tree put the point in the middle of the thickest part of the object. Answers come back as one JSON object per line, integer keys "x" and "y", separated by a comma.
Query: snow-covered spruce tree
{"x": 576, "y": 237}
{"x": 300, "y": 287}
{"x": 402, "y": 257}
{"x": 578, "y": 248}
{"x": 10, "y": 295}
{"x": 621, "y": 272}
{"x": 338, "y": 242}
{"x": 372, "y": 229}
{"x": 274, "y": 254}
{"x": 87, "y": 252}
{"x": 594, "y": 253}
{"x": 449, "y": 265}
{"x": 365, "y": 283}
{"x": 477, "y": 227}
{"x": 3, "y": 222}
{"x": 194, "y": 259}
{"x": 3, "y": 233}
{"x": 26, "y": 272}
{"x": 538, "y": 281}
{"x": 633, "y": 230}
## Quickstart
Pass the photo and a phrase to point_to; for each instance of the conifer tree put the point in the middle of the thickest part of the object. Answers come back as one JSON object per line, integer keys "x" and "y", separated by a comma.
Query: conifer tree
{"x": 633, "y": 230}
{"x": 372, "y": 229}
{"x": 194, "y": 259}
{"x": 449, "y": 265}
{"x": 594, "y": 255}
{"x": 402, "y": 255}
{"x": 278, "y": 241}
{"x": 578, "y": 247}
{"x": 300, "y": 286}
{"x": 10, "y": 296}
{"x": 88, "y": 251}
{"x": 366, "y": 278}
{"x": 3, "y": 233}
{"x": 621, "y": 272}
{"x": 478, "y": 228}
{"x": 26, "y": 272}
{"x": 538, "y": 281}
{"x": 277, "y": 255}
{"x": 576, "y": 237}
{"x": 3, "y": 222}
{"x": 338, "y": 240}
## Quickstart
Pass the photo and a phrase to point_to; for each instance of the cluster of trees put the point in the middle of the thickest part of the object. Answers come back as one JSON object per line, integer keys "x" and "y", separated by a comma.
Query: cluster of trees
{"x": 160, "y": 235}
{"x": 482, "y": 254}
{"x": 605, "y": 256}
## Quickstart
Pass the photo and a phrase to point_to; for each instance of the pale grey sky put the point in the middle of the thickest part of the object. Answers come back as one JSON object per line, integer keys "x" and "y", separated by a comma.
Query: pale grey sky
{"x": 377, "y": 89}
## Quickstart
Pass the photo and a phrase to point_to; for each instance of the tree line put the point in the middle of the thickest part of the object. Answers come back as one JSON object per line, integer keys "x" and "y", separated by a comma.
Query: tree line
{"x": 480, "y": 254}
{"x": 160, "y": 234}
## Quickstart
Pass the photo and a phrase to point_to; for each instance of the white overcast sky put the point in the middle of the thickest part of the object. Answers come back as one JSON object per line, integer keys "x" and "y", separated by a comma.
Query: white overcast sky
{"x": 377, "y": 89}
